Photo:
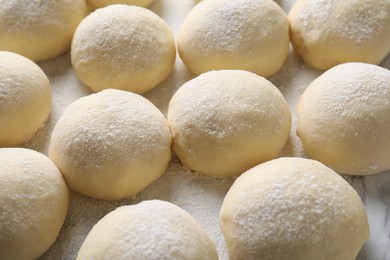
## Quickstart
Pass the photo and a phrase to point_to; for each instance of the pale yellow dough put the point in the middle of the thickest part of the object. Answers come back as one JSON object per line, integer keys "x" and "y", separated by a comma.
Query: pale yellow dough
{"x": 153, "y": 230}
{"x": 37, "y": 29}
{"x": 25, "y": 98}
{"x": 241, "y": 34}
{"x": 33, "y": 203}
{"x": 225, "y": 122}
{"x": 123, "y": 47}
{"x": 111, "y": 144}
{"x": 344, "y": 118}
{"x": 103, "y": 3}
{"x": 326, "y": 33}
{"x": 293, "y": 208}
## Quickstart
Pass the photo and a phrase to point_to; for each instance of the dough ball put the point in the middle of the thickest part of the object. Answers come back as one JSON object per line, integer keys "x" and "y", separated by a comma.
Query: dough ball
{"x": 225, "y": 122}
{"x": 153, "y": 230}
{"x": 33, "y": 203}
{"x": 123, "y": 47}
{"x": 246, "y": 35}
{"x": 344, "y": 118}
{"x": 39, "y": 30}
{"x": 111, "y": 145}
{"x": 293, "y": 208}
{"x": 103, "y": 3}
{"x": 25, "y": 98}
{"x": 326, "y": 33}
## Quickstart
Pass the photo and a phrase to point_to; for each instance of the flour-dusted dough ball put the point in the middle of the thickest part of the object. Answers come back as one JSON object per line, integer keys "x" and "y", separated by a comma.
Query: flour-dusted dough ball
{"x": 37, "y": 29}
{"x": 293, "y": 208}
{"x": 153, "y": 230}
{"x": 103, "y": 3}
{"x": 242, "y": 34}
{"x": 33, "y": 203}
{"x": 123, "y": 47}
{"x": 25, "y": 98}
{"x": 344, "y": 118}
{"x": 111, "y": 144}
{"x": 326, "y": 33}
{"x": 225, "y": 122}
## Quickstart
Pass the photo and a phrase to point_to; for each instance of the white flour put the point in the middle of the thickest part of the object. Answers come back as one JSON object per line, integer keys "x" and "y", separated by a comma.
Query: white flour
{"x": 199, "y": 195}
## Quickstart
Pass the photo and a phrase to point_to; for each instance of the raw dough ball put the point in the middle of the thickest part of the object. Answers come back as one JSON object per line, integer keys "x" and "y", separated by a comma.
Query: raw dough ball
{"x": 102, "y": 3}
{"x": 344, "y": 118}
{"x": 123, "y": 47}
{"x": 33, "y": 203}
{"x": 330, "y": 32}
{"x": 242, "y": 34}
{"x": 225, "y": 122}
{"x": 38, "y": 29}
{"x": 150, "y": 230}
{"x": 111, "y": 145}
{"x": 293, "y": 208}
{"x": 25, "y": 98}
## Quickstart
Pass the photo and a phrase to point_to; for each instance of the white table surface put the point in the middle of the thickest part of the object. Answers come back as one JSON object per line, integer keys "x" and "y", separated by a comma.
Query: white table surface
{"x": 201, "y": 196}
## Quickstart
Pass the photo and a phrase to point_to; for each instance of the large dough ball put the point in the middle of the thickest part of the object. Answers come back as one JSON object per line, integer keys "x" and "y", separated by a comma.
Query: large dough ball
{"x": 326, "y": 33}
{"x": 123, "y": 47}
{"x": 111, "y": 145}
{"x": 293, "y": 208}
{"x": 246, "y": 35}
{"x": 225, "y": 122}
{"x": 153, "y": 230}
{"x": 103, "y": 3}
{"x": 25, "y": 98}
{"x": 33, "y": 203}
{"x": 39, "y": 29}
{"x": 344, "y": 118}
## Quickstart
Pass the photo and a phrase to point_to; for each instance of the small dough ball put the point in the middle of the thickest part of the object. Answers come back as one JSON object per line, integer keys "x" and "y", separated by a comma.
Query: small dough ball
{"x": 153, "y": 230}
{"x": 293, "y": 208}
{"x": 37, "y": 29}
{"x": 344, "y": 119}
{"x": 25, "y": 98}
{"x": 111, "y": 145}
{"x": 103, "y": 3}
{"x": 123, "y": 47}
{"x": 225, "y": 122}
{"x": 245, "y": 35}
{"x": 33, "y": 203}
{"x": 326, "y": 33}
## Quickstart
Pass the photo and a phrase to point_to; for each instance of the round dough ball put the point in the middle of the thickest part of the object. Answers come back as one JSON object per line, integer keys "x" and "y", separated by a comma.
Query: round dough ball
{"x": 103, "y": 3}
{"x": 33, "y": 203}
{"x": 123, "y": 47}
{"x": 111, "y": 145}
{"x": 225, "y": 122}
{"x": 25, "y": 98}
{"x": 153, "y": 230}
{"x": 246, "y": 35}
{"x": 293, "y": 208}
{"x": 326, "y": 33}
{"x": 344, "y": 118}
{"x": 39, "y": 30}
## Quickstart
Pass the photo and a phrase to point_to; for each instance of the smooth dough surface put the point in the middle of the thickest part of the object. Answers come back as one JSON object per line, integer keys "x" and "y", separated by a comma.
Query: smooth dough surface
{"x": 344, "y": 118}
{"x": 39, "y": 30}
{"x": 33, "y": 203}
{"x": 293, "y": 208}
{"x": 326, "y": 33}
{"x": 103, "y": 3}
{"x": 111, "y": 144}
{"x": 153, "y": 230}
{"x": 225, "y": 122}
{"x": 25, "y": 98}
{"x": 123, "y": 47}
{"x": 242, "y": 34}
